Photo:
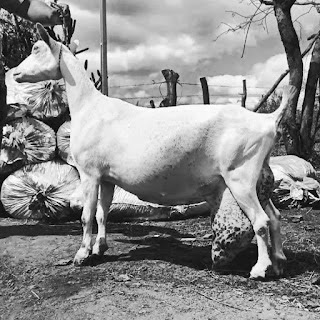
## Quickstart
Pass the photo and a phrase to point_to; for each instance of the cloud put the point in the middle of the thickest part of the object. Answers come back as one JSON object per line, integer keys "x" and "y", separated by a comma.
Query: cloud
{"x": 146, "y": 36}
{"x": 227, "y": 88}
{"x": 132, "y": 23}
{"x": 259, "y": 79}
{"x": 87, "y": 27}
{"x": 183, "y": 48}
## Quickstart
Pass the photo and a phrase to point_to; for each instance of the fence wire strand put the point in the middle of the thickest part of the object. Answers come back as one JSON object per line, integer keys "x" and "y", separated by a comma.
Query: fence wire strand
{"x": 183, "y": 86}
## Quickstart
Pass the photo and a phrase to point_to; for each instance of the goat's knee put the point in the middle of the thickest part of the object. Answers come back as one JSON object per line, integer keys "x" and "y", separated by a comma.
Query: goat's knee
{"x": 85, "y": 221}
{"x": 261, "y": 229}
{"x": 261, "y": 223}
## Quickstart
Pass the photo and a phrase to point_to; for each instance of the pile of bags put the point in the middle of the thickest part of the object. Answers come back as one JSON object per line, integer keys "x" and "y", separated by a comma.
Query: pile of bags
{"x": 295, "y": 182}
{"x": 35, "y": 182}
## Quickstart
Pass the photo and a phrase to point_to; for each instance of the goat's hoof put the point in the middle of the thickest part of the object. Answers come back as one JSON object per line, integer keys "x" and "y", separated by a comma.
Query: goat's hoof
{"x": 261, "y": 273}
{"x": 100, "y": 248}
{"x": 78, "y": 262}
{"x": 91, "y": 261}
{"x": 257, "y": 276}
{"x": 81, "y": 257}
{"x": 278, "y": 264}
{"x": 258, "y": 273}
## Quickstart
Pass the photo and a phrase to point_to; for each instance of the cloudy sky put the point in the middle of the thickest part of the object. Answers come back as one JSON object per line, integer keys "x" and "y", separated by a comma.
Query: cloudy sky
{"x": 146, "y": 36}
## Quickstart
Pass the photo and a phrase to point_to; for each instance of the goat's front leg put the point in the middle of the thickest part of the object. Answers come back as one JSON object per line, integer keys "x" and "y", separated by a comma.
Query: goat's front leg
{"x": 106, "y": 196}
{"x": 90, "y": 188}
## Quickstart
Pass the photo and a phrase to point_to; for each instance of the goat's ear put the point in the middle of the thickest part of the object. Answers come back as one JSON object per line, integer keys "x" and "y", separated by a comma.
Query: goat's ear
{"x": 44, "y": 35}
{"x": 74, "y": 46}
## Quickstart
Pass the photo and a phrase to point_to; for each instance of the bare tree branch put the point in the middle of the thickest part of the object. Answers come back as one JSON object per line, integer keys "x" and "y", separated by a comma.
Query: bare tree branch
{"x": 283, "y": 75}
{"x": 267, "y": 3}
{"x": 298, "y": 3}
{"x": 307, "y": 3}
{"x": 248, "y": 29}
{"x": 258, "y": 17}
{"x": 262, "y": 11}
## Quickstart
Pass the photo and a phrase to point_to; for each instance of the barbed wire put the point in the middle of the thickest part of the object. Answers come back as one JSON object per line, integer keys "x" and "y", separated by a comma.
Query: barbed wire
{"x": 183, "y": 83}
{"x": 138, "y": 85}
{"x": 183, "y": 86}
{"x": 222, "y": 86}
{"x": 187, "y": 96}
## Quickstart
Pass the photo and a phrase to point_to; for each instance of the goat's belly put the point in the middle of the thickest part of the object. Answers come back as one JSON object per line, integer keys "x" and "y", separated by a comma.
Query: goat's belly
{"x": 171, "y": 200}
{"x": 172, "y": 191}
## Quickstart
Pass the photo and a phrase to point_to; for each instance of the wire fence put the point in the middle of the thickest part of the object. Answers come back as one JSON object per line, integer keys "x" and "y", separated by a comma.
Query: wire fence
{"x": 187, "y": 93}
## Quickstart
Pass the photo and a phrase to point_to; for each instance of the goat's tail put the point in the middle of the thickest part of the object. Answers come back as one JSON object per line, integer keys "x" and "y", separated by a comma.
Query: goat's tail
{"x": 288, "y": 92}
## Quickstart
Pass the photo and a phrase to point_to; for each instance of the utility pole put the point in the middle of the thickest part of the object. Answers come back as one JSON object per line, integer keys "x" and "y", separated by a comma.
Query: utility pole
{"x": 103, "y": 47}
{"x": 3, "y": 89}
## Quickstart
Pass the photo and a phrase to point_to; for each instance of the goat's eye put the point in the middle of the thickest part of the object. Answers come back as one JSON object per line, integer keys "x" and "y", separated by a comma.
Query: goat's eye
{"x": 35, "y": 49}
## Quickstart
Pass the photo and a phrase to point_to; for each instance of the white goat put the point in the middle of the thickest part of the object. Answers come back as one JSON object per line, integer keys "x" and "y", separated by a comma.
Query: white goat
{"x": 169, "y": 156}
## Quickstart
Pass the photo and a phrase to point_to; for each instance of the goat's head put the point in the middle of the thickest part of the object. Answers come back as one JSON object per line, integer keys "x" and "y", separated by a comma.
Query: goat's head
{"x": 43, "y": 62}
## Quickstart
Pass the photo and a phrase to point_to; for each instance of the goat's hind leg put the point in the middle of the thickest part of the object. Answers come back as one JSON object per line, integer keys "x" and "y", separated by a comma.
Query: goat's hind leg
{"x": 90, "y": 188}
{"x": 277, "y": 255}
{"x": 244, "y": 191}
{"x": 106, "y": 195}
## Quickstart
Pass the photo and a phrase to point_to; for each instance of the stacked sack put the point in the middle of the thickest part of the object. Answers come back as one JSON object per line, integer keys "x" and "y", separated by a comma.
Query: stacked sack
{"x": 35, "y": 182}
{"x": 296, "y": 183}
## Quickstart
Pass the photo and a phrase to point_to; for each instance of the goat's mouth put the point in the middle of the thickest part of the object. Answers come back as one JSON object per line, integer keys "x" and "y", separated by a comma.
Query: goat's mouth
{"x": 21, "y": 77}
{"x": 17, "y": 76}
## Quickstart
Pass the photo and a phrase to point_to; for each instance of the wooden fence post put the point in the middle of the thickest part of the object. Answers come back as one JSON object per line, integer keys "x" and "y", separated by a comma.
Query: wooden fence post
{"x": 171, "y": 78}
{"x": 3, "y": 90}
{"x": 205, "y": 90}
{"x": 152, "y": 104}
{"x": 244, "y": 93}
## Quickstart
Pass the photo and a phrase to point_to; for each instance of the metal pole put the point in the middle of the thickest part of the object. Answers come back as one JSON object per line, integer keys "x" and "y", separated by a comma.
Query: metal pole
{"x": 103, "y": 49}
{"x": 3, "y": 90}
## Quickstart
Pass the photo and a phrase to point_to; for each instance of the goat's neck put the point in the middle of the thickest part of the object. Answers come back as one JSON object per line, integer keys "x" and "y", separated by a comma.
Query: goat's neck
{"x": 79, "y": 88}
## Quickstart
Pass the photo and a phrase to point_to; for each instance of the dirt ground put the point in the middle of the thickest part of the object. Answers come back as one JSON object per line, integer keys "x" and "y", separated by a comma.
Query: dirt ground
{"x": 153, "y": 270}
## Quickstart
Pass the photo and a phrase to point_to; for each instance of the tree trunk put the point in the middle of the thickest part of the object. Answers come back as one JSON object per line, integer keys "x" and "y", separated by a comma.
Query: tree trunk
{"x": 307, "y": 136}
{"x": 291, "y": 136}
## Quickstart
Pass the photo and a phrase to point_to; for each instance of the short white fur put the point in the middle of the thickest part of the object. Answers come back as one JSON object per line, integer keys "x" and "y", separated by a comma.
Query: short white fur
{"x": 170, "y": 156}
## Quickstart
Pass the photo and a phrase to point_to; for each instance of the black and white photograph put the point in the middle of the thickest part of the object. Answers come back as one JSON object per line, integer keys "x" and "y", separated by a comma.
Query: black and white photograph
{"x": 159, "y": 160}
